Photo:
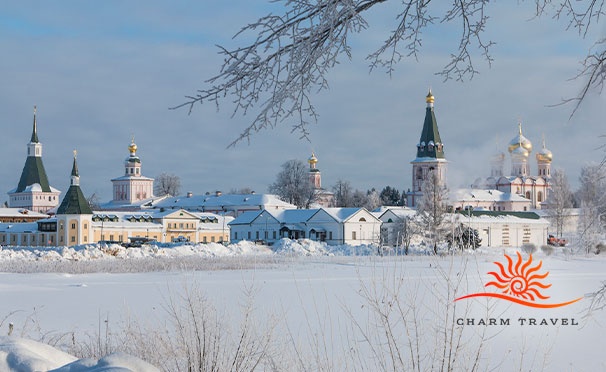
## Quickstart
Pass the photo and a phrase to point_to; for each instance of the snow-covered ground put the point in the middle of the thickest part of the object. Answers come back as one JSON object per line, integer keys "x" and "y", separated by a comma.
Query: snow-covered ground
{"x": 335, "y": 308}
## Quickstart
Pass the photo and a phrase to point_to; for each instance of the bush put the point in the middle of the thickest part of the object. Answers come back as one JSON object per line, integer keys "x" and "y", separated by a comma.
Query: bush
{"x": 547, "y": 249}
{"x": 529, "y": 248}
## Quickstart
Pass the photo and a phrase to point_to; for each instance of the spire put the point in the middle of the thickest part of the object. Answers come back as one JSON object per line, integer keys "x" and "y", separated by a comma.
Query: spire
{"x": 34, "y": 138}
{"x": 75, "y": 175}
{"x": 430, "y": 144}
{"x": 74, "y": 201}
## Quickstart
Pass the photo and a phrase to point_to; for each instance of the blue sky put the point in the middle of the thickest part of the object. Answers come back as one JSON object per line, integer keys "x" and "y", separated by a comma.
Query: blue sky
{"x": 101, "y": 74}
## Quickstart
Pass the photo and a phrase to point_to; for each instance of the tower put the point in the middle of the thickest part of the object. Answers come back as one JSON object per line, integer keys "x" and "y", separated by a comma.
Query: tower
{"x": 430, "y": 155}
{"x": 34, "y": 191}
{"x": 132, "y": 186}
{"x": 74, "y": 216}
{"x": 315, "y": 178}
{"x": 520, "y": 148}
{"x": 544, "y": 158}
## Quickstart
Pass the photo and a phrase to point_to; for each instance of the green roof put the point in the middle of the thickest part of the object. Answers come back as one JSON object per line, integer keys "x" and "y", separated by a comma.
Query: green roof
{"x": 429, "y": 134}
{"x": 74, "y": 202}
{"x": 33, "y": 172}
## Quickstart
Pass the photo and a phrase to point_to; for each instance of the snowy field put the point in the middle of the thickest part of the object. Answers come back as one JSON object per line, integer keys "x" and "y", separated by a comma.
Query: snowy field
{"x": 292, "y": 307}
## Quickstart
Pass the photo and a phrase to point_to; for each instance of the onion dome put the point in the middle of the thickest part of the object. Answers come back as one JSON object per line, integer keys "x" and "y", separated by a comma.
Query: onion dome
{"x": 519, "y": 152}
{"x": 429, "y": 98}
{"x": 312, "y": 159}
{"x": 132, "y": 148}
{"x": 520, "y": 141}
{"x": 544, "y": 156}
{"x": 498, "y": 157}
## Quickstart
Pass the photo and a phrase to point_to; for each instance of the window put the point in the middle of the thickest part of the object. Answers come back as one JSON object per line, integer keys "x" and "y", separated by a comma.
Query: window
{"x": 73, "y": 226}
{"x": 73, "y": 239}
{"x": 212, "y": 239}
{"x": 540, "y": 196}
{"x": 85, "y": 226}
{"x": 330, "y": 235}
{"x": 527, "y": 194}
{"x": 353, "y": 235}
{"x": 274, "y": 235}
{"x": 249, "y": 235}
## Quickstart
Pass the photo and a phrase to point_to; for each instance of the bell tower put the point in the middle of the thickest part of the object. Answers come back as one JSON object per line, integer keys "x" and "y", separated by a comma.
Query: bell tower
{"x": 430, "y": 155}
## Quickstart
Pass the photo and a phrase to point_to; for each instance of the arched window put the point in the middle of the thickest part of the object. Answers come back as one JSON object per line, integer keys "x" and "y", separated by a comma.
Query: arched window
{"x": 362, "y": 219}
{"x": 540, "y": 196}
{"x": 527, "y": 194}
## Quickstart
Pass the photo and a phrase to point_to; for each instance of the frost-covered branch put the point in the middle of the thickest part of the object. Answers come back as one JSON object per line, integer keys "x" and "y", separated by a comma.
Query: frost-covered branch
{"x": 274, "y": 76}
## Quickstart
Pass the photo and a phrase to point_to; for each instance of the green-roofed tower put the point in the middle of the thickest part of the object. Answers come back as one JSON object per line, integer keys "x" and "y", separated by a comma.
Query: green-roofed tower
{"x": 430, "y": 154}
{"x": 74, "y": 216}
{"x": 74, "y": 201}
{"x": 34, "y": 191}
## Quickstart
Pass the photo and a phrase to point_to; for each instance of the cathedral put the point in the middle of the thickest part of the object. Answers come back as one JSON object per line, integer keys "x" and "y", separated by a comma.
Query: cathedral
{"x": 520, "y": 181}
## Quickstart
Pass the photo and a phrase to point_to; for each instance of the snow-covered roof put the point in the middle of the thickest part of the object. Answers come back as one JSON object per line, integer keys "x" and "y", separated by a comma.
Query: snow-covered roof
{"x": 20, "y": 212}
{"x": 224, "y": 201}
{"x": 20, "y": 227}
{"x": 480, "y": 195}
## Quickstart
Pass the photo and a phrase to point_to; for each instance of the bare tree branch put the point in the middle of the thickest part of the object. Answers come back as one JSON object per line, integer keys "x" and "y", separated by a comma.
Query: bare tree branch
{"x": 276, "y": 74}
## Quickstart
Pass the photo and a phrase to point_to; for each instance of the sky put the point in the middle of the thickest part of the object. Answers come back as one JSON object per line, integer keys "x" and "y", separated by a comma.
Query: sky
{"x": 101, "y": 76}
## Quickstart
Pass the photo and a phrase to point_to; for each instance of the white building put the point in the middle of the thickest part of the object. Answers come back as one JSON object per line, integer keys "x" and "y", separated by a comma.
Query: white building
{"x": 393, "y": 224}
{"x": 490, "y": 200}
{"x": 353, "y": 226}
{"x": 505, "y": 229}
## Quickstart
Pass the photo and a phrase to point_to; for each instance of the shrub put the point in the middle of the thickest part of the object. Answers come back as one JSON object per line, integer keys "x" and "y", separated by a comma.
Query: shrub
{"x": 529, "y": 248}
{"x": 547, "y": 249}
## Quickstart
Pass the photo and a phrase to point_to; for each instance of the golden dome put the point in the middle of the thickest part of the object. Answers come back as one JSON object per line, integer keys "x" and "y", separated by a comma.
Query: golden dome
{"x": 429, "y": 98}
{"x": 132, "y": 148}
{"x": 312, "y": 159}
{"x": 519, "y": 152}
{"x": 544, "y": 156}
{"x": 520, "y": 141}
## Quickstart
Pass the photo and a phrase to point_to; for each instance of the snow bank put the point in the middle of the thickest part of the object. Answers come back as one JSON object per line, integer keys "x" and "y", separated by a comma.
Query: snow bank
{"x": 24, "y": 355}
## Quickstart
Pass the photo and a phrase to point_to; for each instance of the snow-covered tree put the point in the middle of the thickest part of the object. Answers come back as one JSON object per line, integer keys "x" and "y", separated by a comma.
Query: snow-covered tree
{"x": 559, "y": 200}
{"x": 287, "y": 56}
{"x": 592, "y": 196}
{"x": 432, "y": 210}
{"x": 167, "y": 184}
{"x": 464, "y": 237}
{"x": 373, "y": 200}
{"x": 293, "y": 185}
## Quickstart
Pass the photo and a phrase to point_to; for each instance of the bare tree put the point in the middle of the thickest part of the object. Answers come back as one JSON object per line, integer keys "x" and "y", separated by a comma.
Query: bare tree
{"x": 167, "y": 184}
{"x": 432, "y": 210}
{"x": 94, "y": 201}
{"x": 291, "y": 54}
{"x": 559, "y": 200}
{"x": 343, "y": 194}
{"x": 293, "y": 184}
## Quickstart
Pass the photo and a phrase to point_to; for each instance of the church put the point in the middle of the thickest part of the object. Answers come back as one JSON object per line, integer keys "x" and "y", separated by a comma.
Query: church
{"x": 34, "y": 191}
{"x": 518, "y": 192}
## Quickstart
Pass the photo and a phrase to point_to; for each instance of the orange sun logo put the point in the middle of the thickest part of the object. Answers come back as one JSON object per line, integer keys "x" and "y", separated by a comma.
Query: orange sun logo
{"x": 519, "y": 283}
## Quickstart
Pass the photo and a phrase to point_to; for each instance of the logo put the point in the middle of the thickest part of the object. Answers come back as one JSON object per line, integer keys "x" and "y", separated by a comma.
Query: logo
{"x": 520, "y": 283}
